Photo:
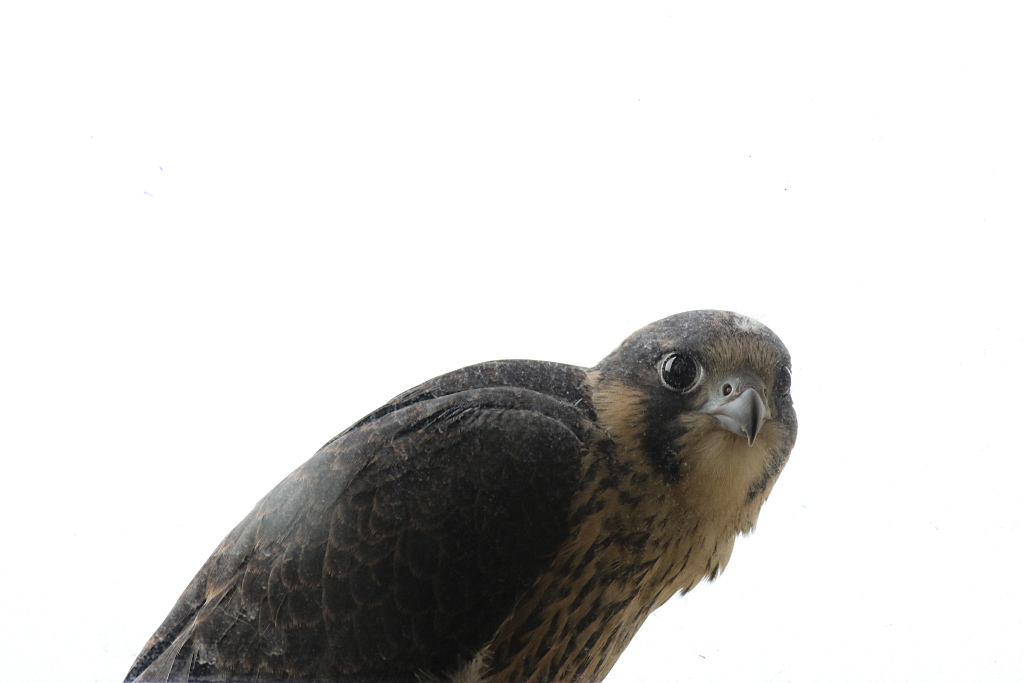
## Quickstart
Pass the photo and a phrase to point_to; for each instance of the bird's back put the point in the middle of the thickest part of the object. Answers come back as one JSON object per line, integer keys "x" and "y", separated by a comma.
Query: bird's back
{"x": 400, "y": 547}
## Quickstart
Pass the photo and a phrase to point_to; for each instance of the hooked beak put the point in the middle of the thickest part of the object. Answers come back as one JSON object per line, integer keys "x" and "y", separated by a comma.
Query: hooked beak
{"x": 743, "y": 414}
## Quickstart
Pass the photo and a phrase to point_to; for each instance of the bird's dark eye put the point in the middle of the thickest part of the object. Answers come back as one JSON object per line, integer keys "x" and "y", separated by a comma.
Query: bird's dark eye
{"x": 783, "y": 380}
{"x": 679, "y": 372}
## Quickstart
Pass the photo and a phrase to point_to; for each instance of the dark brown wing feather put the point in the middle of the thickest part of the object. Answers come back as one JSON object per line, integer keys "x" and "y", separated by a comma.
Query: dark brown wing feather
{"x": 399, "y": 547}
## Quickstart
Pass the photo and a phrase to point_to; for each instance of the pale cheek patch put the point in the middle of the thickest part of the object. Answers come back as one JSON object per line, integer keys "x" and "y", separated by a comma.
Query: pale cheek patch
{"x": 621, "y": 411}
{"x": 721, "y": 469}
{"x": 776, "y": 457}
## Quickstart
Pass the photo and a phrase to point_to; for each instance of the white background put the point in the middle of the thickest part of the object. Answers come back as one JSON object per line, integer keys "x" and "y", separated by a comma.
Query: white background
{"x": 230, "y": 231}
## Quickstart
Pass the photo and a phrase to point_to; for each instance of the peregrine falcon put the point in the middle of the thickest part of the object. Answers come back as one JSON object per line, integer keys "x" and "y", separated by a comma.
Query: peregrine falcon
{"x": 511, "y": 521}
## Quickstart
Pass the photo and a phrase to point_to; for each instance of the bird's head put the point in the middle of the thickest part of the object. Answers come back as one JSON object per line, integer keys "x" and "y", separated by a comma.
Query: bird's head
{"x": 703, "y": 398}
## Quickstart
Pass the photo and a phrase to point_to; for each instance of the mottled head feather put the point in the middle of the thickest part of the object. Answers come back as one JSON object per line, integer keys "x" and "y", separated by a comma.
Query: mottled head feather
{"x": 718, "y": 338}
{"x": 665, "y": 425}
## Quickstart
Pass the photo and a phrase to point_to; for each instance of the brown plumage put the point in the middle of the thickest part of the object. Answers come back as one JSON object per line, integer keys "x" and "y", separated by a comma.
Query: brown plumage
{"x": 510, "y": 521}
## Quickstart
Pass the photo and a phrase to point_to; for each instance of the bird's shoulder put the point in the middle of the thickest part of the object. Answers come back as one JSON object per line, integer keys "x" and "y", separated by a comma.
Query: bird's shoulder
{"x": 540, "y": 384}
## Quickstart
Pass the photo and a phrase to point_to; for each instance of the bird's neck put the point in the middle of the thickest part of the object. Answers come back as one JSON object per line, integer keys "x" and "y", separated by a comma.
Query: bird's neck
{"x": 626, "y": 557}
{"x": 636, "y": 539}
